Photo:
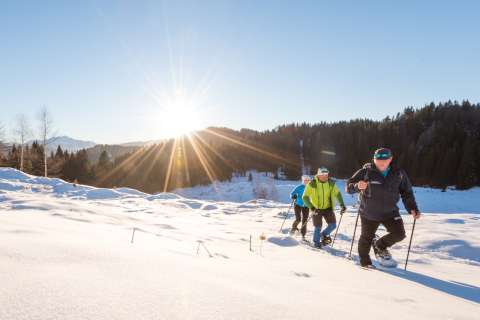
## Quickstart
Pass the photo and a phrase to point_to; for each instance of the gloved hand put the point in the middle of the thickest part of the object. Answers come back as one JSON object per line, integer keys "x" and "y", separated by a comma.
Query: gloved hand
{"x": 316, "y": 211}
{"x": 416, "y": 214}
{"x": 294, "y": 197}
{"x": 343, "y": 209}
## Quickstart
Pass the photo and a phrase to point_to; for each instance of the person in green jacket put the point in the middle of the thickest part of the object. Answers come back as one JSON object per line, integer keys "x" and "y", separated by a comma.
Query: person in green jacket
{"x": 320, "y": 195}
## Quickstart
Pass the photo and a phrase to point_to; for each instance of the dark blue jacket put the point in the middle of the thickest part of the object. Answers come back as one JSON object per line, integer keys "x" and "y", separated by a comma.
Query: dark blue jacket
{"x": 379, "y": 201}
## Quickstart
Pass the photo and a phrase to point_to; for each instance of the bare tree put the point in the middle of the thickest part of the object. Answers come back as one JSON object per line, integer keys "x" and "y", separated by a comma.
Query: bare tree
{"x": 45, "y": 128}
{"x": 22, "y": 132}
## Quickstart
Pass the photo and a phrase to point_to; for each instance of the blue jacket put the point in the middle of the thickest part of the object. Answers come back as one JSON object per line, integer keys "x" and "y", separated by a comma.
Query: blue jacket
{"x": 299, "y": 192}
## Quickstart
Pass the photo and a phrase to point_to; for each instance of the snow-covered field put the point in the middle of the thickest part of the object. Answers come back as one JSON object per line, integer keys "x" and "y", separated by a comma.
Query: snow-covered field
{"x": 240, "y": 190}
{"x": 66, "y": 253}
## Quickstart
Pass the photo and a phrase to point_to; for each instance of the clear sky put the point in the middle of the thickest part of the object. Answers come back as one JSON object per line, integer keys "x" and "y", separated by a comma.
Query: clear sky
{"x": 118, "y": 71}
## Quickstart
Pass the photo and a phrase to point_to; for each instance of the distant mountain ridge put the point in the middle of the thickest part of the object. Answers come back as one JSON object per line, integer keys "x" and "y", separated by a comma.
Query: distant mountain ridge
{"x": 141, "y": 143}
{"x": 67, "y": 143}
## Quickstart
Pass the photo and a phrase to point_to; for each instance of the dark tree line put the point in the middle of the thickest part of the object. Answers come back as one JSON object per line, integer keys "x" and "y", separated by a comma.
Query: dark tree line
{"x": 33, "y": 158}
{"x": 438, "y": 145}
{"x": 70, "y": 166}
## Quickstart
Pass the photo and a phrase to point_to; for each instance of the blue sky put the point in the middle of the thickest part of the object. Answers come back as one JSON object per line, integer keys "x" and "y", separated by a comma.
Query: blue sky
{"x": 107, "y": 71}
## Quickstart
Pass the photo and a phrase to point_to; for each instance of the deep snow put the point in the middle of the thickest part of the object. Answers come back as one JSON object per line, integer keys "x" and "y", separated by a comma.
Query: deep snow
{"x": 66, "y": 253}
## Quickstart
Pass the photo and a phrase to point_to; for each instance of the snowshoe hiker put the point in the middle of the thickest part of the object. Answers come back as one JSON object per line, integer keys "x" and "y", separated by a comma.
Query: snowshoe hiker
{"x": 301, "y": 210}
{"x": 381, "y": 184}
{"x": 320, "y": 195}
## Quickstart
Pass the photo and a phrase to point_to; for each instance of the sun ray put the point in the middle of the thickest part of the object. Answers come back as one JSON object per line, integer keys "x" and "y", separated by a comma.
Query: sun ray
{"x": 185, "y": 166}
{"x": 152, "y": 163}
{"x": 209, "y": 147}
{"x": 292, "y": 162}
{"x": 170, "y": 164}
{"x": 203, "y": 162}
{"x": 132, "y": 170}
{"x": 207, "y": 158}
{"x": 124, "y": 164}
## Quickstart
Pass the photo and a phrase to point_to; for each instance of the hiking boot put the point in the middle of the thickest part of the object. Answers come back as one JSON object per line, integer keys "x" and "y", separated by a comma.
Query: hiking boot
{"x": 326, "y": 240}
{"x": 379, "y": 252}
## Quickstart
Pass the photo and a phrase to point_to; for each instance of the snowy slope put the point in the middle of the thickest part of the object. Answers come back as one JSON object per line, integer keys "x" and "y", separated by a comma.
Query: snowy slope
{"x": 66, "y": 253}
{"x": 240, "y": 189}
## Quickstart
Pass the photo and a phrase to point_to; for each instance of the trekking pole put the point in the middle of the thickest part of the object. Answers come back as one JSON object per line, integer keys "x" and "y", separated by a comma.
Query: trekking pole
{"x": 358, "y": 215}
{"x": 410, "y": 244}
{"x": 306, "y": 222}
{"x": 286, "y": 215}
{"x": 353, "y": 238}
{"x": 338, "y": 227}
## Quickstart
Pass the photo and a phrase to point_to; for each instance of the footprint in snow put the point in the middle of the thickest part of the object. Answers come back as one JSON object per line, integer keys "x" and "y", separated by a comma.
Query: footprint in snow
{"x": 283, "y": 241}
{"x": 302, "y": 274}
{"x": 165, "y": 226}
{"x": 209, "y": 207}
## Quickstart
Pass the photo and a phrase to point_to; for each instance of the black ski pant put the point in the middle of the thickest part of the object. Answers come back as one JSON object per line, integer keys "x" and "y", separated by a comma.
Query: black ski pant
{"x": 326, "y": 214}
{"x": 396, "y": 233}
{"x": 301, "y": 215}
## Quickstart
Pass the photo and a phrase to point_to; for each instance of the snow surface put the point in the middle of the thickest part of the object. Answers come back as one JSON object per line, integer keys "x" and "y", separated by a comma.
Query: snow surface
{"x": 240, "y": 190}
{"x": 66, "y": 253}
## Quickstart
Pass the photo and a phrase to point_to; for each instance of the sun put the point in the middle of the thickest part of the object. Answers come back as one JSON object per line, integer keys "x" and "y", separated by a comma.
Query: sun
{"x": 179, "y": 121}
{"x": 180, "y": 115}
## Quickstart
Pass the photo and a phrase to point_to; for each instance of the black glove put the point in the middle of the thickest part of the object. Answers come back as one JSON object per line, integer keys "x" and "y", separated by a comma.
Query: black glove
{"x": 343, "y": 209}
{"x": 294, "y": 197}
{"x": 316, "y": 211}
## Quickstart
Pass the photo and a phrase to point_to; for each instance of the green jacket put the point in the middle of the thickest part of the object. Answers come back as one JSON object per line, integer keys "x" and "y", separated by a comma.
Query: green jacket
{"x": 322, "y": 195}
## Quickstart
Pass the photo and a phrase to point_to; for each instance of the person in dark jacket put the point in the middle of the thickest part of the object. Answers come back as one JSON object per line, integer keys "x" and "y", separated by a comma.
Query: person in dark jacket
{"x": 381, "y": 185}
{"x": 301, "y": 209}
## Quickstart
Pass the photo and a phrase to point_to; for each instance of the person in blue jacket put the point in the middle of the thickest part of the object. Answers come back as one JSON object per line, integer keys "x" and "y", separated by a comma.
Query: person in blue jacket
{"x": 301, "y": 209}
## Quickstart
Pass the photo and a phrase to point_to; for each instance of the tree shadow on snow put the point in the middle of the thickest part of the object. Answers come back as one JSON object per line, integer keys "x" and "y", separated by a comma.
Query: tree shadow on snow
{"x": 454, "y": 288}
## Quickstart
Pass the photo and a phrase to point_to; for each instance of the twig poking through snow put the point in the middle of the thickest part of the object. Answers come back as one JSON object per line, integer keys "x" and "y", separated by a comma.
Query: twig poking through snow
{"x": 262, "y": 238}
{"x": 200, "y": 243}
{"x": 133, "y": 235}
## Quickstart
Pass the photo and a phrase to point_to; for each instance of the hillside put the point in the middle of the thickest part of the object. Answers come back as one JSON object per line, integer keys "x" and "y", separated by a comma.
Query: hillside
{"x": 70, "y": 247}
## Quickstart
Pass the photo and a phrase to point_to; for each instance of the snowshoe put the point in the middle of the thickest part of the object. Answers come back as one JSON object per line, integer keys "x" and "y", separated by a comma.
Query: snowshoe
{"x": 383, "y": 256}
{"x": 317, "y": 245}
{"x": 326, "y": 240}
{"x": 369, "y": 267}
